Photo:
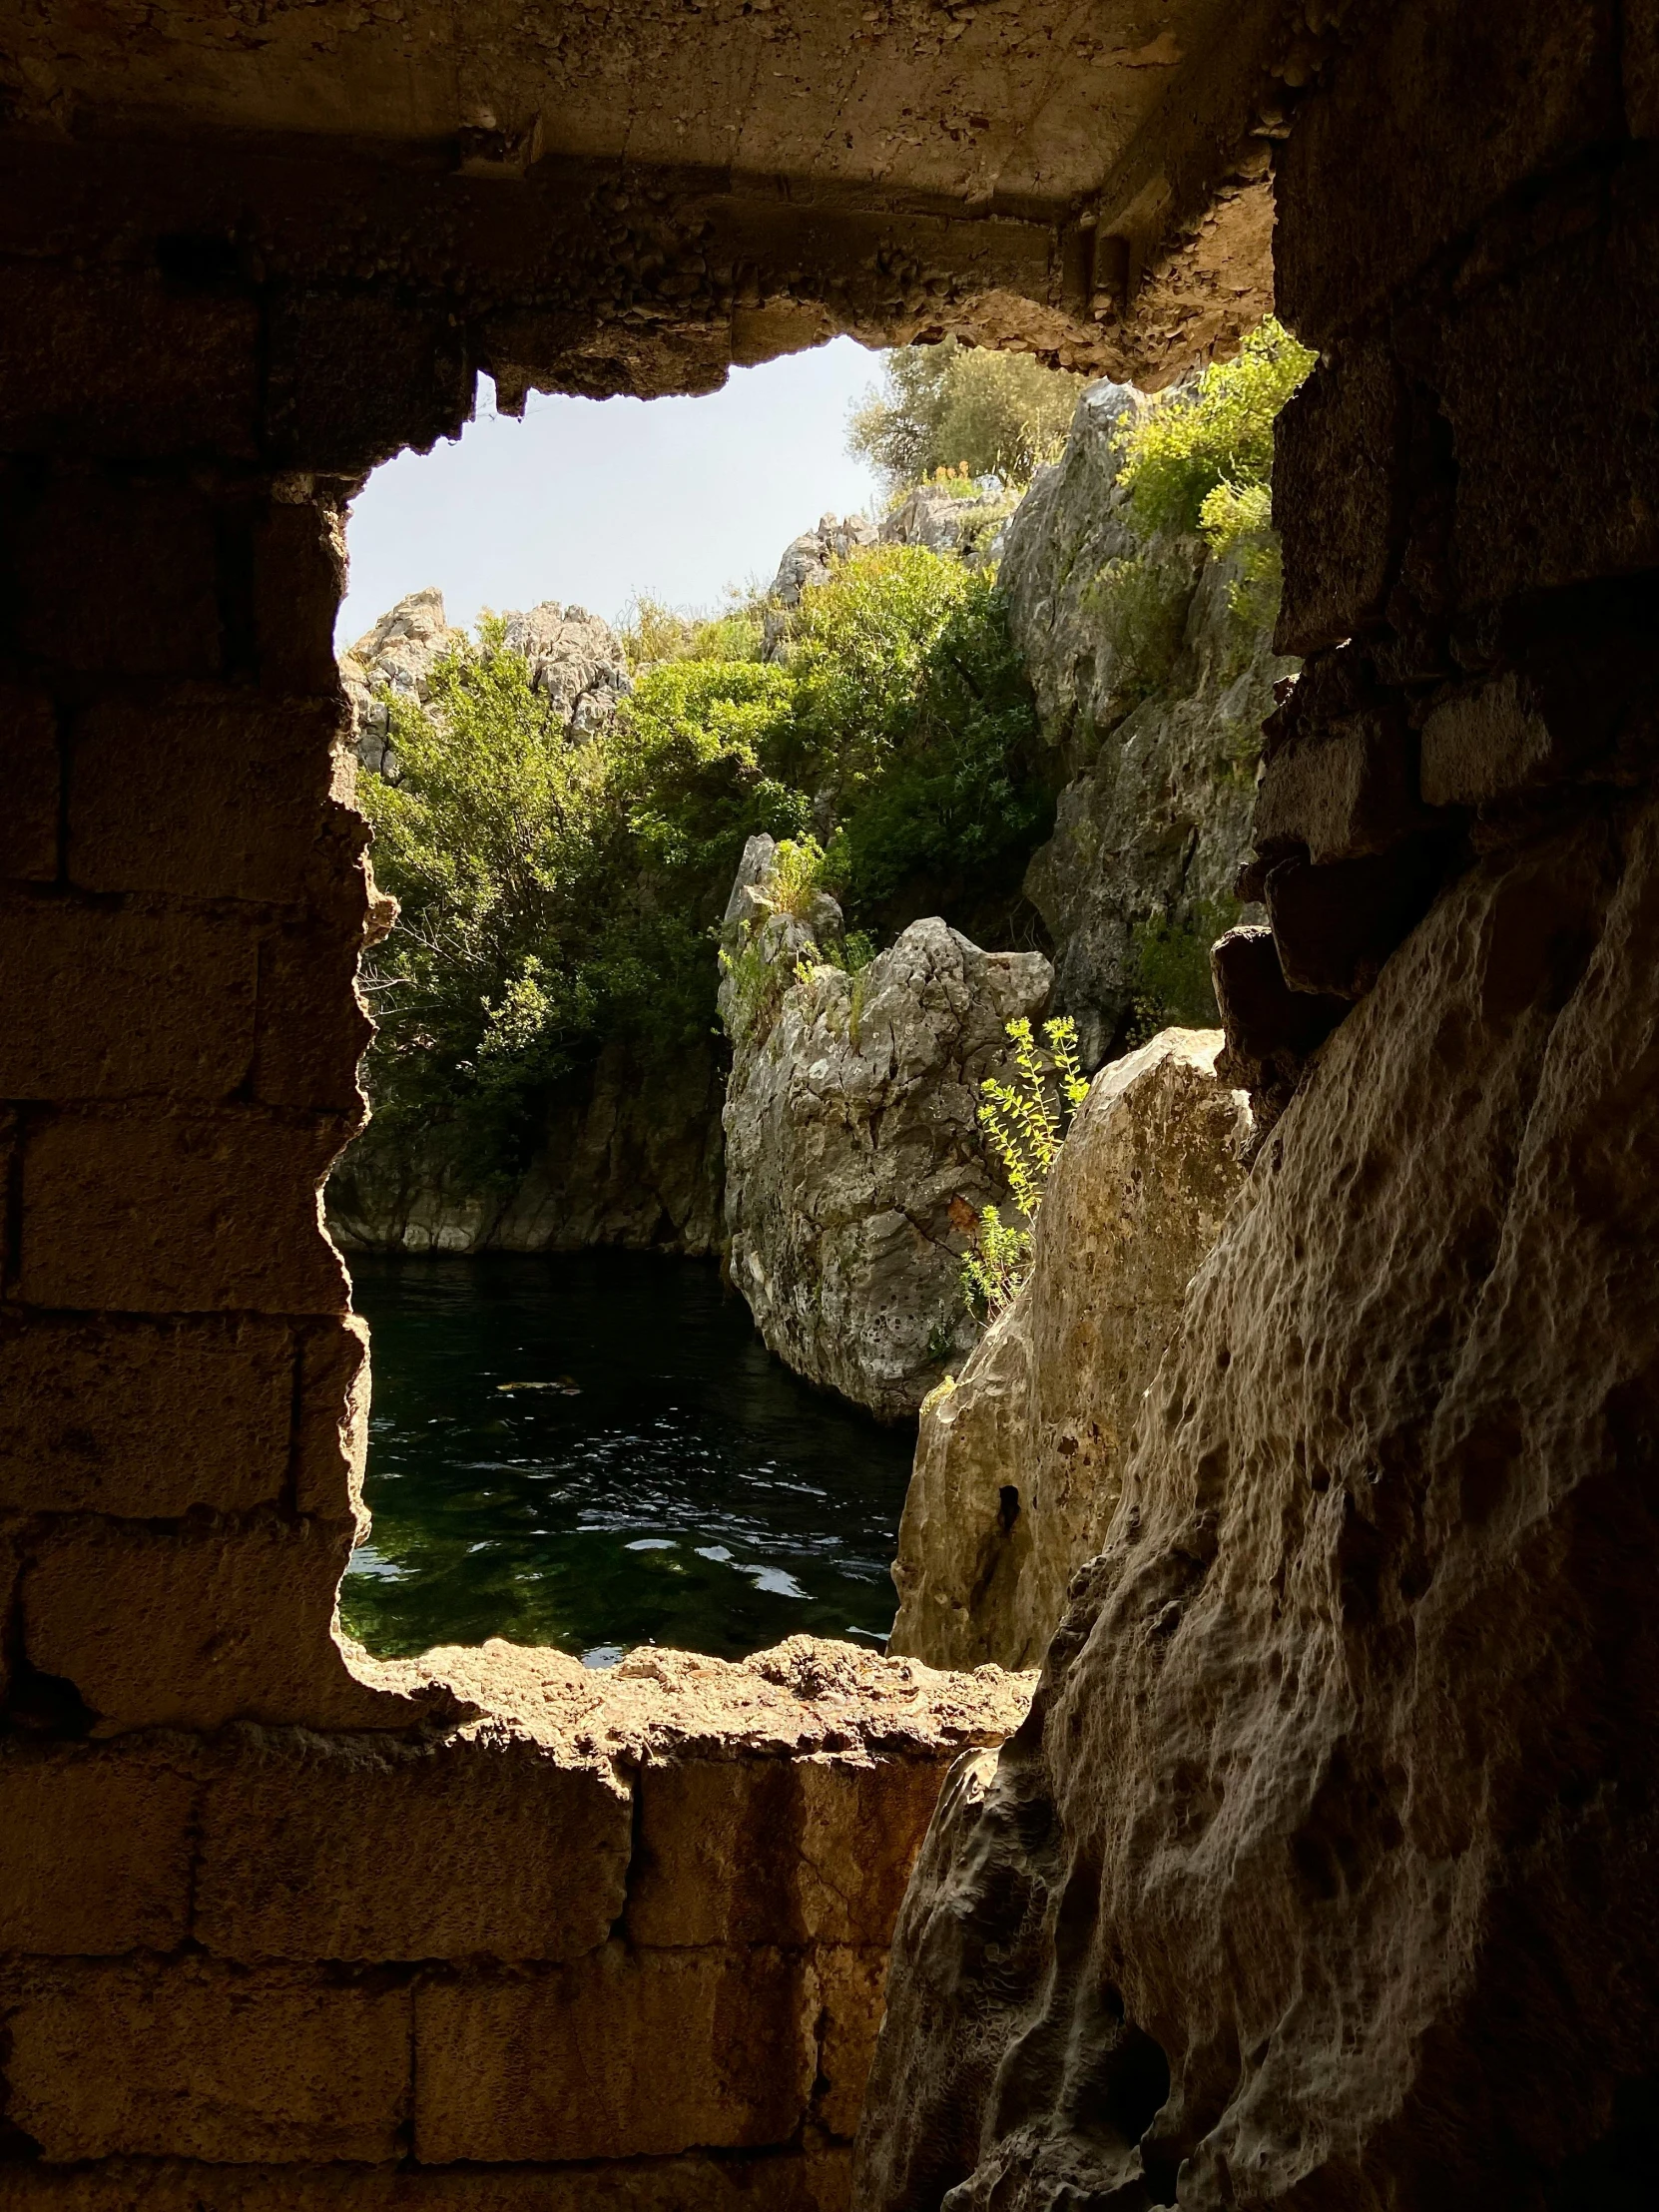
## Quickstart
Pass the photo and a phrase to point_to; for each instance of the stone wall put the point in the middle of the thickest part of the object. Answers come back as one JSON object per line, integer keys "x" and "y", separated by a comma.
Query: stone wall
{"x": 279, "y": 1926}
{"x": 633, "y": 1925}
{"x": 1323, "y": 1873}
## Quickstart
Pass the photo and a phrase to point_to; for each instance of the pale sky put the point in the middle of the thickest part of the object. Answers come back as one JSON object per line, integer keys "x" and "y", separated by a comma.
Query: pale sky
{"x": 592, "y": 501}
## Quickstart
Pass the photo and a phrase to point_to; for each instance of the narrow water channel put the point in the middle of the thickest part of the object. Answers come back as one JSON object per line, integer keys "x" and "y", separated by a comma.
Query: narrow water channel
{"x": 596, "y": 1451}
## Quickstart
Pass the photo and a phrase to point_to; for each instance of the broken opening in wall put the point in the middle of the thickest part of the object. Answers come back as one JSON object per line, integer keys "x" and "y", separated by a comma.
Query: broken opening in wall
{"x": 668, "y": 833}
{"x": 574, "y": 651}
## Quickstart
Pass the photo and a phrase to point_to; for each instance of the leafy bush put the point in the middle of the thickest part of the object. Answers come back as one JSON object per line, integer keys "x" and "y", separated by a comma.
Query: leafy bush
{"x": 1140, "y": 604}
{"x": 954, "y": 407}
{"x": 1218, "y": 434}
{"x": 912, "y": 710}
{"x": 1025, "y": 1122}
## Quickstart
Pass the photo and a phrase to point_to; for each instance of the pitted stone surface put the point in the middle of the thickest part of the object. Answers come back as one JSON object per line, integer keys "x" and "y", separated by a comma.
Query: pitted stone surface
{"x": 1332, "y": 1828}
{"x": 1020, "y": 1462}
{"x": 855, "y": 1170}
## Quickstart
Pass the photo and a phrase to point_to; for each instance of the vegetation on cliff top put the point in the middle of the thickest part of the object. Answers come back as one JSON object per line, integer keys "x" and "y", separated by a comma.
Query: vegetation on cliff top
{"x": 947, "y": 408}
{"x": 560, "y": 890}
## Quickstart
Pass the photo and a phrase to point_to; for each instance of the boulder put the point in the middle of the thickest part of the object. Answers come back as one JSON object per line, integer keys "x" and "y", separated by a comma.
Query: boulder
{"x": 855, "y": 1167}
{"x": 807, "y": 560}
{"x": 1320, "y": 1874}
{"x": 1020, "y": 1464}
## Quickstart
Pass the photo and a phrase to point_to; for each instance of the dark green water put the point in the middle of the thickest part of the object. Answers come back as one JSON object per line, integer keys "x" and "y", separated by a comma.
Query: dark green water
{"x": 676, "y": 1483}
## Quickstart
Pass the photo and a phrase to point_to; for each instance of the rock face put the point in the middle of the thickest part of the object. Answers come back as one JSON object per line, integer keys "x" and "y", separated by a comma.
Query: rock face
{"x": 396, "y": 653}
{"x": 854, "y": 1170}
{"x": 574, "y": 659}
{"x": 631, "y": 1156}
{"x": 1019, "y": 1466}
{"x": 1331, "y": 1827}
{"x": 943, "y": 523}
{"x": 1154, "y": 700}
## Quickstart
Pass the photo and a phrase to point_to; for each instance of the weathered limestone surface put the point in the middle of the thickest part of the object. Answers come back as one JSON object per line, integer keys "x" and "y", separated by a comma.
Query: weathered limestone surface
{"x": 1154, "y": 821}
{"x": 631, "y": 1157}
{"x": 607, "y": 1916}
{"x": 855, "y": 1168}
{"x": 575, "y": 661}
{"x": 1329, "y": 1829}
{"x": 1020, "y": 1464}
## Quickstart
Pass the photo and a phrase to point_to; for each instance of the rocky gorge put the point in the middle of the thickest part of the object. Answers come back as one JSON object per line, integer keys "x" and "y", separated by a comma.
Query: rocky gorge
{"x": 1151, "y": 671}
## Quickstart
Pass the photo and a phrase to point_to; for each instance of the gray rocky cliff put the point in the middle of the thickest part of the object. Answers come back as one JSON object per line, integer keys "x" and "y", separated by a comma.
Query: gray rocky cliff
{"x": 575, "y": 661}
{"x": 629, "y": 1155}
{"x": 1021, "y": 1463}
{"x": 1154, "y": 671}
{"x": 855, "y": 1168}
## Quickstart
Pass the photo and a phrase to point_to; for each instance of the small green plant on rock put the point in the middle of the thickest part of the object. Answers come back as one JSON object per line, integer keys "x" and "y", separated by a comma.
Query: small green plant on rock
{"x": 1025, "y": 1122}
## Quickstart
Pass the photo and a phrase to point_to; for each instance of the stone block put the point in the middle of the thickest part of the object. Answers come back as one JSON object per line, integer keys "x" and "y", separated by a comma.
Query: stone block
{"x": 117, "y": 575}
{"x": 1431, "y": 116}
{"x": 380, "y": 1850}
{"x": 313, "y": 1028}
{"x": 119, "y": 1005}
{"x": 1271, "y": 1030}
{"x": 223, "y": 797}
{"x": 181, "y": 1214}
{"x": 623, "y": 2054}
{"x": 1334, "y": 927}
{"x": 30, "y": 778}
{"x": 777, "y": 1850}
{"x": 1640, "y": 69}
{"x": 95, "y": 1850}
{"x": 331, "y": 1423}
{"x": 195, "y": 1627}
{"x": 1338, "y": 467}
{"x": 1340, "y": 790}
{"x": 185, "y": 2059}
{"x": 1558, "y": 477}
{"x": 849, "y": 1985}
{"x": 1485, "y": 743}
{"x": 144, "y": 1419}
{"x": 119, "y": 361}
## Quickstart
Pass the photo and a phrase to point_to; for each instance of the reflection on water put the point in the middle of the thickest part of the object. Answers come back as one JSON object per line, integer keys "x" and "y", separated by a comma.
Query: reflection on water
{"x": 596, "y": 1451}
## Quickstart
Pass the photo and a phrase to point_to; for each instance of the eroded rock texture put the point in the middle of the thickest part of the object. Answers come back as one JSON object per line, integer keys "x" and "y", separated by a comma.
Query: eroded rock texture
{"x": 1019, "y": 1466}
{"x": 1152, "y": 689}
{"x": 855, "y": 1167}
{"x": 1331, "y": 1825}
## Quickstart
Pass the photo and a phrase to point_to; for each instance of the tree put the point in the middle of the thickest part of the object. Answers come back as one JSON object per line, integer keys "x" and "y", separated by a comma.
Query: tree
{"x": 949, "y": 406}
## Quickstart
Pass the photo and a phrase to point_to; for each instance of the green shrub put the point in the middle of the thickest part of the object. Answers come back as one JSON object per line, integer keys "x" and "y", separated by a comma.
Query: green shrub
{"x": 1025, "y": 1123}
{"x": 957, "y": 408}
{"x": 557, "y": 893}
{"x": 1140, "y": 604}
{"x": 1192, "y": 442}
{"x": 914, "y": 712}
